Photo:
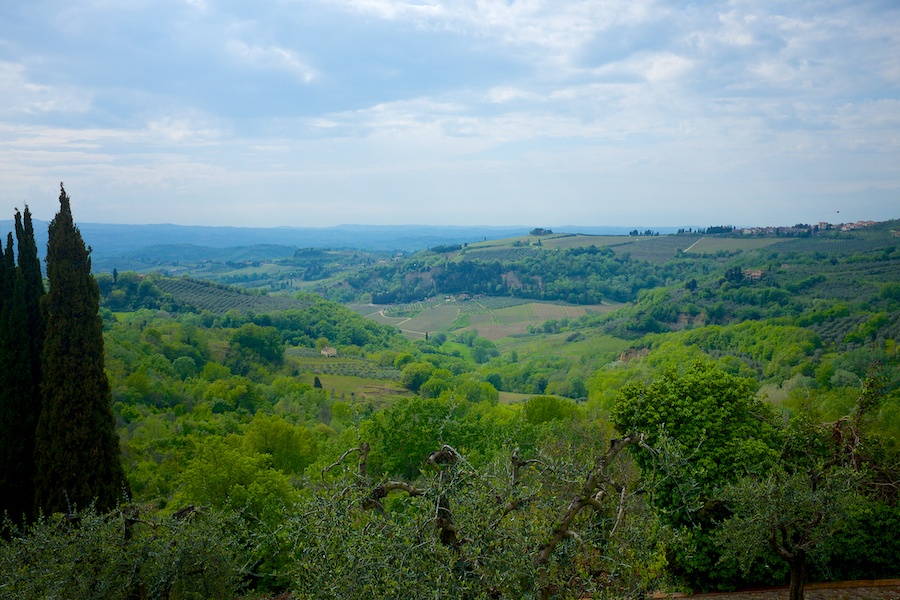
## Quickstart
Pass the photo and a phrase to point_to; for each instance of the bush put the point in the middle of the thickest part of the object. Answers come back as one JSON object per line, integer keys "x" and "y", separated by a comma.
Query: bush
{"x": 112, "y": 556}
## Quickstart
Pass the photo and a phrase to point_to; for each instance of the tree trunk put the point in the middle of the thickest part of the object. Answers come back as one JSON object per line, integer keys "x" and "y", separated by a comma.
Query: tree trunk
{"x": 798, "y": 576}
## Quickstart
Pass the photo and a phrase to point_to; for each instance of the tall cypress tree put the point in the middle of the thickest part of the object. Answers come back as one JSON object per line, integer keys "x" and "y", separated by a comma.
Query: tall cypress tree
{"x": 77, "y": 449}
{"x": 7, "y": 272}
{"x": 18, "y": 406}
{"x": 30, "y": 266}
{"x": 21, "y": 341}
{"x": 12, "y": 444}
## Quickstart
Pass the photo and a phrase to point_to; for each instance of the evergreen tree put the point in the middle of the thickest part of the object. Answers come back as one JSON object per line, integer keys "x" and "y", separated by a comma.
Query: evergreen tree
{"x": 77, "y": 449}
{"x": 7, "y": 272}
{"x": 18, "y": 406}
{"x": 30, "y": 266}
{"x": 8, "y": 404}
{"x": 21, "y": 340}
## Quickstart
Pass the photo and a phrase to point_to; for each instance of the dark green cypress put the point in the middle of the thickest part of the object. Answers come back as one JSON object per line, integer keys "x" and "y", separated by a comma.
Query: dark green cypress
{"x": 30, "y": 266}
{"x": 7, "y": 272}
{"x": 9, "y": 434}
{"x": 22, "y": 333}
{"x": 18, "y": 407}
{"x": 77, "y": 455}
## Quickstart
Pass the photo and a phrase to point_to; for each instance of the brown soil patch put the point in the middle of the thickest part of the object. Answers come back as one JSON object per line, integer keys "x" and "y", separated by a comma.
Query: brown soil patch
{"x": 885, "y": 589}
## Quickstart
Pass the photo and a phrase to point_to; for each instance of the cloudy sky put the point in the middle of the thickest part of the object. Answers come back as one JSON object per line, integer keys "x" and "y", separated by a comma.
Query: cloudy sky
{"x": 466, "y": 112}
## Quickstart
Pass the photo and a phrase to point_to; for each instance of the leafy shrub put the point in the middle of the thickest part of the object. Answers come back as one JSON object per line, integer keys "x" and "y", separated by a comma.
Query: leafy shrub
{"x": 114, "y": 556}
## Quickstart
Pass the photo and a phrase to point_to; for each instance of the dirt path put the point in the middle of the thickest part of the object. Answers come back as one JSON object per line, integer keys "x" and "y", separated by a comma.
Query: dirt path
{"x": 885, "y": 589}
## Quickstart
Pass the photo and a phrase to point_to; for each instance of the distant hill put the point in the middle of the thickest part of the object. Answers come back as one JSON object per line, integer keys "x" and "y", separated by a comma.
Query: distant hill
{"x": 129, "y": 246}
{"x": 111, "y": 242}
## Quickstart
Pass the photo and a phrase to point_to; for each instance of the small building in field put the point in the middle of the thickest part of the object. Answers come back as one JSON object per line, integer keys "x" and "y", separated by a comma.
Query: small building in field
{"x": 329, "y": 351}
{"x": 753, "y": 274}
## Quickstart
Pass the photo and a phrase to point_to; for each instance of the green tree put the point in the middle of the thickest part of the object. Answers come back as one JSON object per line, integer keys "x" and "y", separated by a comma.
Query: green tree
{"x": 414, "y": 375}
{"x": 708, "y": 429}
{"x": 291, "y": 447}
{"x": 788, "y": 513}
{"x": 540, "y": 409}
{"x": 30, "y": 266}
{"x": 21, "y": 339}
{"x": 7, "y": 271}
{"x": 77, "y": 449}
{"x": 17, "y": 417}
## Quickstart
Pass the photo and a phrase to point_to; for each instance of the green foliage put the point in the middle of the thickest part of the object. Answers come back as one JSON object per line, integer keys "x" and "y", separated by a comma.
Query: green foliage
{"x": 713, "y": 417}
{"x": 775, "y": 351}
{"x": 211, "y": 412}
{"x": 867, "y": 546}
{"x": 707, "y": 429}
{"x": 403, "y": 435}
{"x": 19, "y": 407}
{"x": 253, "y": 347}
{"x": 77, "y": 450}
{"x": 224, "y": 477}
{"x": 338, "y": 550}
{"x": 540, "y": 409}
{"x": 414, "y": 375}
{"x": 219, "y": 299}
{"x": 792, "y": 513}
{"x": 291, "y": 447}
{"x": 114, "y": 556}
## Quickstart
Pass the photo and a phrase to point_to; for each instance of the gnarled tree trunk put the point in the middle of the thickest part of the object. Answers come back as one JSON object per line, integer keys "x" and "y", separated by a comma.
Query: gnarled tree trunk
{"x": 798, "y": 575}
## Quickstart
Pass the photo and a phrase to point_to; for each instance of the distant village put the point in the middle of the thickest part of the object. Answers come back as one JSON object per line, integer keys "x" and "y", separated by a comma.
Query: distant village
{"x": 801, "y": 229}
{"x": 798, "y": 230}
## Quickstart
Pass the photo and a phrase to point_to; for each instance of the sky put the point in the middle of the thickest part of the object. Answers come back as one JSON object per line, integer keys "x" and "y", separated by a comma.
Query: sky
{"x": 468, "y": 112}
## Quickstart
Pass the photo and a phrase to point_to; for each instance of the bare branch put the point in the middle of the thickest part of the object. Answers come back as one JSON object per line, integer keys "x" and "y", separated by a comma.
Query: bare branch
{"x": 363, "y": 450}
{"x": 382, "y": 490}
{"x": 518, "y": 464}
{"x": 591, "y": 487}
{"x": 621, "y": 512}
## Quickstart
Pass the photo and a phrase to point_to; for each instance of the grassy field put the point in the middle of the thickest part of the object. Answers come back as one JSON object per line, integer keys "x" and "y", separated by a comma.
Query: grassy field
{"x": 513, "y": 397}
{"x": 347, "y": 377}
{"x": 493, "y": 317}
{"x": 515, "y": 320}
{"x": 350, "y": 387}
{"x": 604, "y": 347}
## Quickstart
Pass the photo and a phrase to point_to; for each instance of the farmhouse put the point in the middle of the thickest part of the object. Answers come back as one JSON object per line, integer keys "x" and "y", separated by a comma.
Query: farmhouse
{"x": 329, "y": 351}
{"x": 753, "y": 274}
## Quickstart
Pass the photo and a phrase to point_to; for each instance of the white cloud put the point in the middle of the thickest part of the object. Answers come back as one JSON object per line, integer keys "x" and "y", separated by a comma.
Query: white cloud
{"x": 272, "y": 57}
{"x": 20, "y": 96}
{"x": 180, "y": 130}
{"x": 550, "y": 30}
{"x": 650, "y": 67}
{"x": 504, "y": 94}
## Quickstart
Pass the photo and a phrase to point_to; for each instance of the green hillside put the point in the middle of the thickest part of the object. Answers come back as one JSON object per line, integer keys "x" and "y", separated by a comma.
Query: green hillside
{"x": 473, "y": 443}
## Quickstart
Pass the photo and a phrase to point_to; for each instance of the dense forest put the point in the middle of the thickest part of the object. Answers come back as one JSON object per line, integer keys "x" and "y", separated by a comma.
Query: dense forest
{"x": 729, "y": 419}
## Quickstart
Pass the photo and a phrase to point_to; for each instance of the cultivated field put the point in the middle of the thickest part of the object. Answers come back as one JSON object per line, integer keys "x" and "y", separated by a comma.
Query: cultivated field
{"x": 711, "y": 245}
{"x": 655, "y": 249}
{"x": 493, "y": 317}
{"x": 584, "y": 241}
{"x": 218, "y": 299}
